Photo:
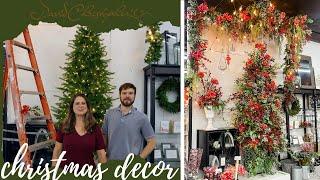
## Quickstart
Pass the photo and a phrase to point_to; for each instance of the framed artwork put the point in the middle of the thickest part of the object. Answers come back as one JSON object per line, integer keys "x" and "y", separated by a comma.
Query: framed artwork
{"x": 165, "y": 146}
{"x": 157, "y": 154}
{"x": 171, "y": 154}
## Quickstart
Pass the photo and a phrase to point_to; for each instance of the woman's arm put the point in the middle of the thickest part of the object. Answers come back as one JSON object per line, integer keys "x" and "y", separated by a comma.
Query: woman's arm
{"x": 102, "y": 156}
{"x": 56, "y": 152}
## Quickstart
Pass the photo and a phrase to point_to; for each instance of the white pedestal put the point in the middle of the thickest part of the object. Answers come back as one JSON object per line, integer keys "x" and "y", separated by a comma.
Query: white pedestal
{"x": 278, "y": 176}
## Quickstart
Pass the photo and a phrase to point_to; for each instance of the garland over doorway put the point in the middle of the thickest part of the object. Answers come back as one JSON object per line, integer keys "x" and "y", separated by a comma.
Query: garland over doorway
{"x": 260, "y": 19}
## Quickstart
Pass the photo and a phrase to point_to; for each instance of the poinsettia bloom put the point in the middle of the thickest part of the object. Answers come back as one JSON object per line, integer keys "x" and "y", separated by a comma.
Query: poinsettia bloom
{"x": 203, "y": 8}
{"x": 200, "y": 74}
{"x": 25, "y": 109}
{"x": 214, "y": 81}
{"x": 226, "y": 175}
{"x": 241, "y": 170}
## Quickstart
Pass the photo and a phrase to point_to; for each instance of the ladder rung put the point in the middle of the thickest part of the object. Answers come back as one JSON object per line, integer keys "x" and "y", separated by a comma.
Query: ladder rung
{"x": 25, "y": 68}
{"x": 19, "y": 44}
{"x": 40, "y": 145}
{"x": 31, "y": 92}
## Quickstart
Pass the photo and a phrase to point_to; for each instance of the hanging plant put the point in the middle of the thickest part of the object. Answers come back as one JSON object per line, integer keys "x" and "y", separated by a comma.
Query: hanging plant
{"x": 154, "y": 38}
{"x": 167, "y": 86}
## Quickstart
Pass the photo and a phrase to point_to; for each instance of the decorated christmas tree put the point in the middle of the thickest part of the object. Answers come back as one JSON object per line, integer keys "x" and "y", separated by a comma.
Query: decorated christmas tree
{"x": 257, "y": 113}
{"x": 85, "y": 71}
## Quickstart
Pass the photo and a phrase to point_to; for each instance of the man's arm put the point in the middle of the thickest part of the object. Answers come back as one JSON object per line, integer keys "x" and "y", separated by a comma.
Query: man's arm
{"x": 105, "y": 138}
{"x": 151, "y": 144}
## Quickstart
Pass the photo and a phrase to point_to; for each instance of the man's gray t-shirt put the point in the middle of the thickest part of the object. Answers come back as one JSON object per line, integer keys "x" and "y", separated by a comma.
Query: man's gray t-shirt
{"x": 126, "y": 133}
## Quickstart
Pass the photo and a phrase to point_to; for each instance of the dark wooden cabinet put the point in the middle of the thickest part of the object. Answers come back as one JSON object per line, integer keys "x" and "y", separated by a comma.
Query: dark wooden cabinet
{"x": 223, "y": 146}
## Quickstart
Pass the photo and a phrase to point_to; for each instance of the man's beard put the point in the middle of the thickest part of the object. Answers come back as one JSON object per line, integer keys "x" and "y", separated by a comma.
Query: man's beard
{"x": 127, "y": 102}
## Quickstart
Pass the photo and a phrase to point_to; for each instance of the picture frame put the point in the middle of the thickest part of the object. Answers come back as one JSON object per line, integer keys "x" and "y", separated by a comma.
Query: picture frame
{"x": 164, "y": 126}
{"x": 165, "y": 146}
{"x": 171, "y": 154}
{"x": 158, "y": 155}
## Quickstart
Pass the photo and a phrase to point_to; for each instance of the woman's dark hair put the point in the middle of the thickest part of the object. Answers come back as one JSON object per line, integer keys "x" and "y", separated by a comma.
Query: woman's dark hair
{"x": 69, "y": 123}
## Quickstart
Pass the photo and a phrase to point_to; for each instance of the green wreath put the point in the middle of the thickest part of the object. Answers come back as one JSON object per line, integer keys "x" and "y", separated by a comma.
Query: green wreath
{"x": 295, "y": 107}
{"x": 169, "y": 85}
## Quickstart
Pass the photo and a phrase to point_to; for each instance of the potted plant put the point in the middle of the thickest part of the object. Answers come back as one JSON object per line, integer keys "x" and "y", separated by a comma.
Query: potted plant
{"x": 305, "y": 158}
{"x": 210, "y": 97}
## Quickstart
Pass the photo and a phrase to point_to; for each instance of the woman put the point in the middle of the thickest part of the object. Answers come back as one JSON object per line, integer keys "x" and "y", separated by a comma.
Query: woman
{"x": 79, "y": 135}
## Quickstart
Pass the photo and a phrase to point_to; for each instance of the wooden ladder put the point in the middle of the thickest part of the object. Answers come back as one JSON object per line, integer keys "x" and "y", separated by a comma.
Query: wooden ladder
{"x": 10, "y": 81}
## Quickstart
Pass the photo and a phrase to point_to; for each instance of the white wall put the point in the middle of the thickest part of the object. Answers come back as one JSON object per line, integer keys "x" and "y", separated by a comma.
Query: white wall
{"x": 217, "y": 42}
{"x": 126, "y": 49}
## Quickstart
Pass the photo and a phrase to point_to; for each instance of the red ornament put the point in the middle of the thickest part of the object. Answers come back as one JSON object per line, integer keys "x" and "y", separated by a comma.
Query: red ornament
{"x": 200, "y": 74}
{"x": 228, "y": 59}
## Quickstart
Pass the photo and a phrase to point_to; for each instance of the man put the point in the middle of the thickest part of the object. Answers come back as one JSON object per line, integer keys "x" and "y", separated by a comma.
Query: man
{"x": 125, "y": 128}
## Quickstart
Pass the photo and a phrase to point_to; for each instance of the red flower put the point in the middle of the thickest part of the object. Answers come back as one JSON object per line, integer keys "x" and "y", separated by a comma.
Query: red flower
{"x": 203, "y": 8}
{"x": 226, "y": 175}
{"x": 261, "y": 47}
{"x": 267, "y": 57}
{"x": 214, "y": 81}
{"x": 265, "y": 74}
{"x": 200, "y": 74}
{"x": 282, "y": 30}
{"x": 265, "y": 63}
{"x": 271, "y": 9}
{"x": 241, "y": 170}
{"x": 289, "y": 78}
{"x": 241, "y": 128}
{"x": 25, "y": 109}
{"x": 272, "y": 86}
{"x": 263, "y": 126}
{"x": 282, "y": 16}
{"x": 249, "y": 62}
{"x": 211, "y": 94}
{"x": 278, "y": 103}
{"x": 202, "y": 45}
{"x": 253, "y": 142}
{"x": 197, "y": 55}
{"x": 245, "y": 16}
{"x": 296, "y": 21}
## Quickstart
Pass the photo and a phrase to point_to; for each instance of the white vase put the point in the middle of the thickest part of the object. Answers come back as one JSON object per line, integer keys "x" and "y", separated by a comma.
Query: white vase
{"x": 209, "y": 112}
{"x": 305, "y": 172}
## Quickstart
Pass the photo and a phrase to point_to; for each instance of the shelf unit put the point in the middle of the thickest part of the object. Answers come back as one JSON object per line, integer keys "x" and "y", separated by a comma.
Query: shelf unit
{"x": 151, "y": 73}
{"x": 307, "y": 96}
